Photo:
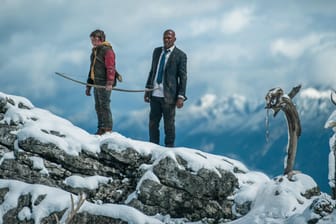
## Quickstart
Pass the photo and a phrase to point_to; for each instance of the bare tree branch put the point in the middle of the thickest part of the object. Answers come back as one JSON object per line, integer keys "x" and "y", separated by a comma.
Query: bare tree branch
{"x": 277, "y": 100}
{"x": 74, "y": 209}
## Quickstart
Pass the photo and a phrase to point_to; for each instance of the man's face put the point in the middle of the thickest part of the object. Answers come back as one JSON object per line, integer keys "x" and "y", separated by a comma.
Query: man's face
{"x": 168, "y": 39}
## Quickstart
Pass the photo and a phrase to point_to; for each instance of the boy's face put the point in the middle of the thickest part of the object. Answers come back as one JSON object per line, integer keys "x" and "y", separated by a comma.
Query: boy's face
{"x": 95, "y": 41}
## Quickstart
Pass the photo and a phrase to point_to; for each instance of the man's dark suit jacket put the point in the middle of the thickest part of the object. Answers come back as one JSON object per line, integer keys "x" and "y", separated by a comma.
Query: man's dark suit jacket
{"x": 174, "y": 76}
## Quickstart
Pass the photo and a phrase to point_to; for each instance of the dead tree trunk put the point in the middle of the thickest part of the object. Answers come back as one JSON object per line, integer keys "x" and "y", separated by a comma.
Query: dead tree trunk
{"x": 277, "y": 100}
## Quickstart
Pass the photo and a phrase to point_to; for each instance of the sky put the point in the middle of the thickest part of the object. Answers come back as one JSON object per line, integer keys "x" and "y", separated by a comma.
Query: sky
{"x": 233, "y": 47}
{"x": 278, "y": 200}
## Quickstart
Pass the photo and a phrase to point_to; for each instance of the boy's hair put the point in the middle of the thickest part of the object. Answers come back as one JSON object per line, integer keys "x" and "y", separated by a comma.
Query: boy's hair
{"x": 98, "y": 33}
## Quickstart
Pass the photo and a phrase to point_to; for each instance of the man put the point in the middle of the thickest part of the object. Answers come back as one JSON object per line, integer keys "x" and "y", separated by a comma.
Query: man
{"x": 102, "y": 72}
{"x": 168, "y": 76}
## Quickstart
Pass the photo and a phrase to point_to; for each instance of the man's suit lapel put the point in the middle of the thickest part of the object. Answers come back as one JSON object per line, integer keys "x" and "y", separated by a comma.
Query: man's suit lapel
{"x": 156, "y": 59}
{"x": 171, "y": 58}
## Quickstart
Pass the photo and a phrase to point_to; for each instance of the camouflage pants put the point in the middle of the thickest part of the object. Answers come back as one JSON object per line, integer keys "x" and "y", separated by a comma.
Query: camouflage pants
{"x": 102, "y": 106}
{"x": 159, "y": 108}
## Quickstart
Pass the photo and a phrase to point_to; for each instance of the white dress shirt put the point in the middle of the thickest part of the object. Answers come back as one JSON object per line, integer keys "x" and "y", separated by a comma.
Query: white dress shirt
{"x": 159, "y": 91}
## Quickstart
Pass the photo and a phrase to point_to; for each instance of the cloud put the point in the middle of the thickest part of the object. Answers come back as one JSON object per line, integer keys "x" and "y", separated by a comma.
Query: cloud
{"x": 228, "y": 23}
{"x": 221, "y": 54}
{"x": 314, "y": 93}
{"x": 294, "y": 48}
{"x": 324, "y": 66}
{"x": 314, "y": 57}
{"x": 202, "y": 26}
{"x": 32, "y": 69}
{"x": 236, "y": 20}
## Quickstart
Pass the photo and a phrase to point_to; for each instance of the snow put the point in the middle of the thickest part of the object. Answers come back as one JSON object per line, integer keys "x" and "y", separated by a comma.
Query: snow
{"x": 278, "y": 199}
{"x": 206, "y": 102}
{"x": 331, "y": 123}
{"x": 47, "y": 127}
{"x": 38, "y": 164}
{"x": 7, "y": 155}
{"x": 57, "y": 200}
{"x": 86, "y": 182}
{"x": 314, "y": 93}
{"x": 274, "y": 200}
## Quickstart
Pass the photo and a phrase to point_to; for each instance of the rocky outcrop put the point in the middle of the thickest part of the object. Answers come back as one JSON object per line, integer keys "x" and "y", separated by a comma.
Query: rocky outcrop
{"x": 181, "y": 193}
{"x": 167, "y": 185}
{"x": 44, "y": 159}
{"x": 178, "y": 191}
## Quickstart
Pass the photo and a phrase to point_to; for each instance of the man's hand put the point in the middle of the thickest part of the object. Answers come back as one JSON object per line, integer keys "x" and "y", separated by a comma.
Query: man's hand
{"x": 179, "y": 103}
{"x": 88, "y": 91}
{"x": 146, "y": 98}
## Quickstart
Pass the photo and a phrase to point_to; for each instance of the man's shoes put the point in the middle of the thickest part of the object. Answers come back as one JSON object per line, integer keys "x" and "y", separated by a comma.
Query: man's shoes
{"x": 102, "y": 131}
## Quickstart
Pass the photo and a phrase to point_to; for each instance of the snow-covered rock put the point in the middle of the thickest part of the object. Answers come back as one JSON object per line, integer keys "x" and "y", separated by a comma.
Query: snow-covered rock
{"x": 45, "y": 159}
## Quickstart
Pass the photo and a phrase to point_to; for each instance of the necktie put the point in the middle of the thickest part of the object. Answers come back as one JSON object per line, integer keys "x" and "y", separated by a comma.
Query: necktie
{"x": 161, "y": 66}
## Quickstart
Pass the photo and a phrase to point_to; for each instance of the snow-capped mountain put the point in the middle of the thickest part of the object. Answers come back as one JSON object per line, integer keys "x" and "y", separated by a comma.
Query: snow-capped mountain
{"x": 240, "y": 127}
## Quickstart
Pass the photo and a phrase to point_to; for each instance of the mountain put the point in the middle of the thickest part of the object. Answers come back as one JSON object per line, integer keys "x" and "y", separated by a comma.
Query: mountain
{"x": 239, "y": 127}
{"x": 55, "y": 172}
